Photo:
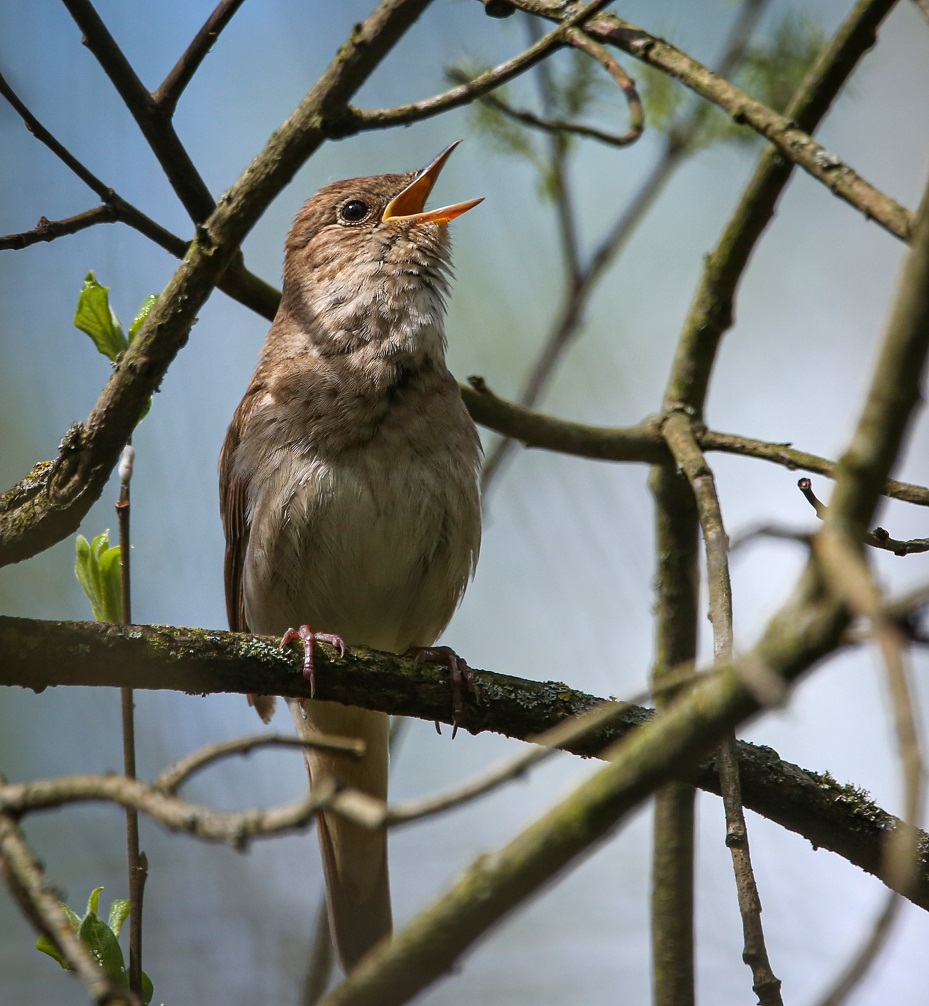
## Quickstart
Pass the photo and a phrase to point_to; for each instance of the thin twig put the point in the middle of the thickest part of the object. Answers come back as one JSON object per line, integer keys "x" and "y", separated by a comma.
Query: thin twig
{"x": 626, "y": 84}
{"x": 878, "y": 538}
{"x": 176, "y": 775}
{"x": 557, "y": 126}
{"x": 153, "y": 121}
{"x": 235, "y": 828}
{"x": 136, "y": 861}
{"x": 165, "y": 97}
{"x": 237, "y": 282}
{"x": 689, "y": 457}
{"x": 49, "y": 230}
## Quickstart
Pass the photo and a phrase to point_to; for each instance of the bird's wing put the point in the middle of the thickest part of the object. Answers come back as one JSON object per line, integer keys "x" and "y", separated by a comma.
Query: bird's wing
{"x": 233, "y": 505}
{"x": 233, "y": 500}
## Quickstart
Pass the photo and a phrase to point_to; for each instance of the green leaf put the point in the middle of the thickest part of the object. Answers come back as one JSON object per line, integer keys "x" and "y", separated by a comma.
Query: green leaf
{"x": 119, "y": 912}
{"x": 148, "y": 990}
{"x": 71, "y": 916}
{"x": 101, "y": 941}
{"x": 93, "y": 902}
{"x": 97, "y": 568}
{"x": 45, "y": 945}
{"x": 111, "y": 590}
{"x": 96, "y": 318}
{"x": 144, "y": 311}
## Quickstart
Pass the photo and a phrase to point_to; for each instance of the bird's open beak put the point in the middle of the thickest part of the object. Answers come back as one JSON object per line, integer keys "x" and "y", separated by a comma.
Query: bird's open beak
{"x": 408, "y": 205}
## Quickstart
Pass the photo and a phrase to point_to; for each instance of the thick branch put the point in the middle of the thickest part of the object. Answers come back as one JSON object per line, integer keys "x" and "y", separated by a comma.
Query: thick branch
{"x": 37, "y": 654}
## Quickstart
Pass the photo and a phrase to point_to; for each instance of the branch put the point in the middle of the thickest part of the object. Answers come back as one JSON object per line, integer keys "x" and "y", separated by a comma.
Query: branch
{"x": 171, "y": 778}
{"x": 49, "y": 230}
{"x": 358, "y": 119}
{"x": 235, "y": 828}
{"x": 237, "y": 282}
{"x": 792, "y": 141}
{"x": 878, "y": 538}
{"x": 165, "y": 98}
{"x": 37, "y": 654}
{"x": 643, "y": 443}
{"x": 153, "y": 120}
{"x": 528, "y": 118}
{"x": 690, "y": 459}
{"x": 677, "y": 587}
{"x": 582, "y": 282}
{"x": 34, "y": 521}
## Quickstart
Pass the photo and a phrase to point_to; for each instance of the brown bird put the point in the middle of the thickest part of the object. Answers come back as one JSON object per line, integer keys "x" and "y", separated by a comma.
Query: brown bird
{"x": 349, "y": 483}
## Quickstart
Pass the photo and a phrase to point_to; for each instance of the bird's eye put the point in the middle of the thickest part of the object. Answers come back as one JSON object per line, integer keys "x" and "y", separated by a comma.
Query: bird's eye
{"x": 354, "y": 210}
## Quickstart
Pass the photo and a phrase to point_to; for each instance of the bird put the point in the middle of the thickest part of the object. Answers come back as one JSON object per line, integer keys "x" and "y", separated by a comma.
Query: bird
{"x": 349, "y": 485}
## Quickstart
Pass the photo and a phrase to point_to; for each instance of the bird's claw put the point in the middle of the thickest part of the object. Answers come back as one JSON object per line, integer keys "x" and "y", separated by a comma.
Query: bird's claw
{"x": 309, "y": 638}
{"x": 462, "y": 677}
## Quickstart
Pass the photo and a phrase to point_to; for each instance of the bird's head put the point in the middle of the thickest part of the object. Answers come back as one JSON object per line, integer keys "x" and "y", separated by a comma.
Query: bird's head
{"x": 367, "y": 236}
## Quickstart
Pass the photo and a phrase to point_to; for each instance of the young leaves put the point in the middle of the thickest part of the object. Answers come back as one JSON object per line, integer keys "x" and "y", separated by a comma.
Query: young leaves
{"x": 96, "y": 318}
{"x": 97, "y": 568}
{"x": 101, "y": 939}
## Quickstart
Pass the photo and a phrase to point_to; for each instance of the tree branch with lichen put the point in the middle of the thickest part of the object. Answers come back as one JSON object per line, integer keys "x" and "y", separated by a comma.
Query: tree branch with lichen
{"x": 37, "y": 654}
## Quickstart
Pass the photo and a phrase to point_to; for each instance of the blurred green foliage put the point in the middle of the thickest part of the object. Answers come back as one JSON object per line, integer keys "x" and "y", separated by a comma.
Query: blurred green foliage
{"x": 770, "y": 70}
{"x": 97, "y": 568}
{"x": 101, "y": 939}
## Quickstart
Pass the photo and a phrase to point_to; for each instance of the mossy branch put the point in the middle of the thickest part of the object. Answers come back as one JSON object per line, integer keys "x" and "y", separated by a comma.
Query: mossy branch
{"x": 39, "y": 654}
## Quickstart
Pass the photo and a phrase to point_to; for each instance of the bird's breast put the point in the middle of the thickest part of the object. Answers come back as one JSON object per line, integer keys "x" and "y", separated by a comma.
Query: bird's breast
{"x": 375, "y": 541}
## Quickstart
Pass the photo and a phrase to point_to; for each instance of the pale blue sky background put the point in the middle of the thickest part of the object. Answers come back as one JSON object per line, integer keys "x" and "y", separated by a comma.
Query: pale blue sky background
{"x": 563, "y": 588}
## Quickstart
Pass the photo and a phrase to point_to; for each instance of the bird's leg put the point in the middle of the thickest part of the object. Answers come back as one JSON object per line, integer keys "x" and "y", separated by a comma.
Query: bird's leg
{"x": 462, "y": 677}
{"x": 309, "y": 638}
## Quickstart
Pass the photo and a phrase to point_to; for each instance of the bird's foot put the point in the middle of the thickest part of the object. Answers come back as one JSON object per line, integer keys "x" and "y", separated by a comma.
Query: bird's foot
{"x": 309, "y": 638}
{"x": 462, "y": 677}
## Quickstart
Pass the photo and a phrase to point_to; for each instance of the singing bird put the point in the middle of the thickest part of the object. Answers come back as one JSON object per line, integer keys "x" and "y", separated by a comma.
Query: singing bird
{"x": 349, "y": 483}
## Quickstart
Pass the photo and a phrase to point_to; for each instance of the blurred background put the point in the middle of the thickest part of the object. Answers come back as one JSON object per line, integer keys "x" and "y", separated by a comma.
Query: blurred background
{"x": 564, "y": 586}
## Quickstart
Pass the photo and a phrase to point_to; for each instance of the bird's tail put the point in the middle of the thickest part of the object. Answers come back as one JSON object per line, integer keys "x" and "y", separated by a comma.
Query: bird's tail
{"x": 354, "y": 858}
